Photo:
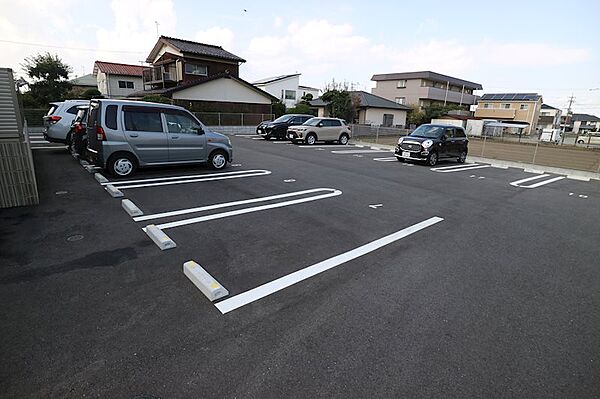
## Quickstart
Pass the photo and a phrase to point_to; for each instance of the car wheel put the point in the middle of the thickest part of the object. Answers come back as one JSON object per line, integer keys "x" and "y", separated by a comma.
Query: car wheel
{"x": 267, "y": 137}
{"x": 217, "y": 160}
{"x": 432, "y": 159}
{"x": 344, "y": 139}
{"x": 580, "y": 141}
{"x": 311, "y": 139}
{"x": 121, "y": 165}
{"x": 400, "y": 159}
{"x": 463, "y": 157}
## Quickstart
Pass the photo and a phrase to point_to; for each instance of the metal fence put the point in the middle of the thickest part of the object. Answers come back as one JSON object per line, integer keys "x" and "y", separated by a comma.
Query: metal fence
{"x": 566, "y": 153}
{"x": 34, "y": 116}
{"x": 232, "y": 119}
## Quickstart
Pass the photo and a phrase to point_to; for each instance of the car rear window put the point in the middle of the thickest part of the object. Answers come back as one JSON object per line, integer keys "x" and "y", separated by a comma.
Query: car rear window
{"x": 53, "y": 108}
{"x": 110, "y": 117}
{"x": 459, "y": 133}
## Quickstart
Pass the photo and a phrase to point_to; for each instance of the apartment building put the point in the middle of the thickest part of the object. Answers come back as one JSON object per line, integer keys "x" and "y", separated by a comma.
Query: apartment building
{"x": 522, "y": 108}
{"x": 425, "y": 88}
{"x": 549, "y": 118}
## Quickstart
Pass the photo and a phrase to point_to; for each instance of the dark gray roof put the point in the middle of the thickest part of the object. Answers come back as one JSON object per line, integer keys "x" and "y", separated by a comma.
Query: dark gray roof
{"x": 85, "y": 80}
{"x": 274, "y": 79}
{"x": 511, "y": 97}
{"x": 367, "y": 100}
{"x": 585, "y": 118}
{"x": 546, "y": 106}
{"x": 428, "y": 75}
{"x": 207, "y": 50}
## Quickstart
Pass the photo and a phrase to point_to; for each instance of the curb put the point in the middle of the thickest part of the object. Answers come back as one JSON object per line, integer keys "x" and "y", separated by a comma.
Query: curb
{"x": 204, "y": 281}
{"x": 159, "y": 237}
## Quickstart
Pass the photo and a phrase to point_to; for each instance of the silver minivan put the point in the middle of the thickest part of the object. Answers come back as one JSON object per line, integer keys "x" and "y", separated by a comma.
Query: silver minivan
{"x": 124, "y": 134}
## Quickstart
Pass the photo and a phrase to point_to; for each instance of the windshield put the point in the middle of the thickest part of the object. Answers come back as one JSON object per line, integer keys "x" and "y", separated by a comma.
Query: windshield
{"x": 428, "y": 131}
{"x": 312, "y": 122}
{"x": 283, "y": 118}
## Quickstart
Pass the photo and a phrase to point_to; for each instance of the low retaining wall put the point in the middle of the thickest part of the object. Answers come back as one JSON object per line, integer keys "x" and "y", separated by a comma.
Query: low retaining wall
{"x": 231, "y": 130}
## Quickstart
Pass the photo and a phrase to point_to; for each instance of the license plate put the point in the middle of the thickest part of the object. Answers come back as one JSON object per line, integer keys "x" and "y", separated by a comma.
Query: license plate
{"x": 406, "y": 154}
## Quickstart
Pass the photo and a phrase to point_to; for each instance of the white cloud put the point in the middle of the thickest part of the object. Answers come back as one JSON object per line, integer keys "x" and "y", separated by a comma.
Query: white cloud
{"x": 134, "y": 29}
{"x": 218, "y": 36}
{"x": 277, "y": 22}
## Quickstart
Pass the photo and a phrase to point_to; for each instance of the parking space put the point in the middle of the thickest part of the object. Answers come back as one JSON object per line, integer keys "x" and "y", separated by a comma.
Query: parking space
{"x": 334, "y": 256}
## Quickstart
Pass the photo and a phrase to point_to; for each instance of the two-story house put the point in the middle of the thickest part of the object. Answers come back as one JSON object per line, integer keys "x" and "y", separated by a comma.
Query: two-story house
{"x": 425, "y": 88}
{"x": 522, "y": 108}
{"x": 549, "y": 118}
{"x": 201, "y": 77}
{"x": 115, "y": 80}
{"x": 287, "y": 88}
{"x": 585, "y": 123}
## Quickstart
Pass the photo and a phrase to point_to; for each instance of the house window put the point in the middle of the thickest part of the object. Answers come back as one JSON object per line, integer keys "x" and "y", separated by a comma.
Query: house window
{"x": 290, "y": 94}
{"x": 506, "y": 106}
{"x": 524, "y": 106}
{"x": 193, "y": 69}
{"x": 401, "y": 84}
{"x": 125, "y": 84}
{"x": 487, "y": 105}
{"x": 400, "y": 100}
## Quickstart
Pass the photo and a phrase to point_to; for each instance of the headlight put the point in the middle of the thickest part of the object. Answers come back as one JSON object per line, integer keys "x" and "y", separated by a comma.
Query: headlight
{"x": 400, "y": 140}
{"x": 427, "y": 143}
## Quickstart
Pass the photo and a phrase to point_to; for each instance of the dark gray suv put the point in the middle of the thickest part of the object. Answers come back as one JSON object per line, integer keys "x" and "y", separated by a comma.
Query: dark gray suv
{"x": 430, "y": 143}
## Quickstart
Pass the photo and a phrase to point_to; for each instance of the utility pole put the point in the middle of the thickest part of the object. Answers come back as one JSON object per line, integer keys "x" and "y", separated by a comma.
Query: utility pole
{"x": 156, "y": 23}
{"x": 562, "y": 141}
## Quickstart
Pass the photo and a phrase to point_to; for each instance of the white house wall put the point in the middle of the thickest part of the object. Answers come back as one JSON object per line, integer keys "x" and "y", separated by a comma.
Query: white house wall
{"x": 108, "y": 85}
{"x": 225, "y": 90}
{"x": 374, "y": 116}
{"x": 275, "y": 89}
{"x": 167, "y": 49}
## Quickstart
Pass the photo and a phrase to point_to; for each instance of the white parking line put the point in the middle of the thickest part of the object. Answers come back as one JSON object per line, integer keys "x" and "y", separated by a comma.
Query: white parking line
{"x": 359, "y": 151}
{"x": 459, "y": 168}
{"x": 245, "y": 135}
{"x": 386, "y": 159}
{"x": 165, "y": 181}
{"x": 227, "y": 204}
{"x": 518, "y": 183}
{"x": 279, "y": 284}
{"x": 325, "y": 146}
{"x": 330, "y": 192}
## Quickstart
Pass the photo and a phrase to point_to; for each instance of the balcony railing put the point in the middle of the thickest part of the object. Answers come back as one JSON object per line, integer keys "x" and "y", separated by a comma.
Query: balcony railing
{"x": 160, "y": 74}
{"x": 494, "y": 113}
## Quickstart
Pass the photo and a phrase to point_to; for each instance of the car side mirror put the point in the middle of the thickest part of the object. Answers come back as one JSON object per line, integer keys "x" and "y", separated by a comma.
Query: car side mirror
{"x": 320, "y": 124}
{"x": 199, "y": 130}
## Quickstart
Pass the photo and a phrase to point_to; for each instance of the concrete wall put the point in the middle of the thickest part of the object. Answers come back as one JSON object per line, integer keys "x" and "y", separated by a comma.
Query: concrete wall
{"x": 453, "y": 122}
{"x": 109, "y": 85}
{"x": 374, "y": 116}
{"x": 223, "y": 90}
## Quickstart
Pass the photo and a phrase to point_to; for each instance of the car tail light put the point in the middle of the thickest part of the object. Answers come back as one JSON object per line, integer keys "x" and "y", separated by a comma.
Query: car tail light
{"x": 54, "y": 118}
{"x": 77, "y": 127}
{"x": 100, "y": 133}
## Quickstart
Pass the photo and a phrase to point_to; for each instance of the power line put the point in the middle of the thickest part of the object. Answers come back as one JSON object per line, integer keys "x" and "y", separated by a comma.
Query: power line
{"x": 71, "y": 48}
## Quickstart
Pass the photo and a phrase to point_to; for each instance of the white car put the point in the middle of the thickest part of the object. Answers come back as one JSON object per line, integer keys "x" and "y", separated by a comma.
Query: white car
{"x": 320, "y": 129}
{"x": 57, "y": 122}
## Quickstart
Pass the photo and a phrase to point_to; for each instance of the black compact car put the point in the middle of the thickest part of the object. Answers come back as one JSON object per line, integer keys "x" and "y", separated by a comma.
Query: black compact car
{"x": 278, "y": 128}
{"x": 430, "y": 143}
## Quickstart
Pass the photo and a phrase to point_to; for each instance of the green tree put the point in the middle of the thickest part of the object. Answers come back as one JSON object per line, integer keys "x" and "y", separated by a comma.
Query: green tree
{"x": 415, "y": 116}
{"x": 307, "y": 98}
{"x": 156, "y": 98}
{"x": 300, "y": 108}
{"x": 49, "y": 75}
{"x": 278, "y": 108}
{"x": 435, "y": 111}
{"x": 339, "y": 104}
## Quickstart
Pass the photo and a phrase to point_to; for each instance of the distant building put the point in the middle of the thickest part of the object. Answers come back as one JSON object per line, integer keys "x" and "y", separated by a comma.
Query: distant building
{"x": 425, "y": 88}
{"x": 549, "y": 118}
{"x": 287, "y": 88}
{"x": 83, "y": 83}
{"x": 521, "y": 108}
{"x": 371, "y": 110}
{"x": 116, "y": 80}
{"x": 585, "y": 123}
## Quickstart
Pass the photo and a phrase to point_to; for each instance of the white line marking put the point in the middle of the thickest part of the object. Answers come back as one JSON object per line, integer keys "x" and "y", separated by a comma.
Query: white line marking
{"x": 375, "y": 206}
{"x": 582, "y": 196}
{"x": 460, "y": 169}
{"x": 289, "y": 180}
{"x": 357, "y": 156}
{"x": 326, "y": 146}
{"x": 359, "y": 151}
{"x": 164, "y": 181}
{"x": 519, "y": 183}
{"x": 386, "y": 159}
{"x": 461, "y": 165}
{"x": 375, "y": 148}
{"x": 257, "y": 138}
{"x": 245, "y": 135}
{"x": 281, "y": 142}
{"x": 279, "y": 284}
{"x": 228, "y": 204}
{"x": 47, "y": 147}
{"x": 331, "y": 193}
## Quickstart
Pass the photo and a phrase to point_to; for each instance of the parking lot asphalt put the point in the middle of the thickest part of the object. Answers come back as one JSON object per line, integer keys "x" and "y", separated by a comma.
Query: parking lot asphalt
{"x": 500, "y": 298}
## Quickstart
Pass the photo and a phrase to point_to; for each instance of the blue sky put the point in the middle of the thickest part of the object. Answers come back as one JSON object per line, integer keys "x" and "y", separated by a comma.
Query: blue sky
{"x": 512, "y": 46}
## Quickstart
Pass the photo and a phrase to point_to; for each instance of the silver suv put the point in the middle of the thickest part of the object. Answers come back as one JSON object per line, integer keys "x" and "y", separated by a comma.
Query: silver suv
{"x": 320, "y": 129}
{"x": 123, "y": 135}
{"x": 57, "y": 122}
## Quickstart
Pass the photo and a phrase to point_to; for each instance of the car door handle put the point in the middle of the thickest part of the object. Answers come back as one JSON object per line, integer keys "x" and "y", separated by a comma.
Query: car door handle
{"x": 174, "y": 137}
{"x": 133, "y": 135}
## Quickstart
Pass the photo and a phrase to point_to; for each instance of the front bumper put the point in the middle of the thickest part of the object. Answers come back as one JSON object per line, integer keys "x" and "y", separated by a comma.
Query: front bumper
{"x": 294, "y": 135}
{"x": 414, "y": 155}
